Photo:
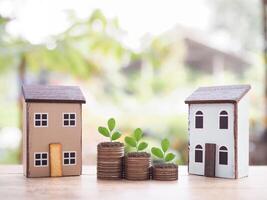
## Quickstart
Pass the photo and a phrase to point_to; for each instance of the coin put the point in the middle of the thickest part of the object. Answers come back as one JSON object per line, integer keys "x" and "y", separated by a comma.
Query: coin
{"x": 137, "y": 168}
{"x": 165, "y": 172}
{"x": 109, "y": 161}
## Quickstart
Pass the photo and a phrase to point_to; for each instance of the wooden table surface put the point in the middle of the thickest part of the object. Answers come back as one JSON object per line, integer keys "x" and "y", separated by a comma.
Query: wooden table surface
{"x": 13, "y": 185}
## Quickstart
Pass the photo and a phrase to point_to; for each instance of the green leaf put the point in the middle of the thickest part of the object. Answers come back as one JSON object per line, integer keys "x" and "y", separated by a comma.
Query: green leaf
{"x": 138, "y": 134}
{"x": 157, "y": 152}
{"x": 104, "y": 131}
{"x": 111, "y": 124}
{"x": 116, "y": 135}
{"x": 169, "y": 157}
{"x": 165, "y": 144}
{"x": 130, "y": 141}
{"x": 142, "y": 146}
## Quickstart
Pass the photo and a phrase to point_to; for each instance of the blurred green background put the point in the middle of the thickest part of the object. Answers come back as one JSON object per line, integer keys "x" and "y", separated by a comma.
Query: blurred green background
{"x": 135, "y": 61}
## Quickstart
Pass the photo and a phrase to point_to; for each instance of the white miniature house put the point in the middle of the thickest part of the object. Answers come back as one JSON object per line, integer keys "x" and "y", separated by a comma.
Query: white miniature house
{"x": 219, "y": 131}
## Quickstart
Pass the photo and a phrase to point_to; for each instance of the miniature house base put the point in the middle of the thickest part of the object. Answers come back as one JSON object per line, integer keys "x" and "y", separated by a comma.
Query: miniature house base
{"x": 219, "y": 131}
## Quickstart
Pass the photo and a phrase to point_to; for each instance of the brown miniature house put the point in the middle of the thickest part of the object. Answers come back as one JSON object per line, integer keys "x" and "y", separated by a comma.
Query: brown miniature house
{"x": 52, "y": 130}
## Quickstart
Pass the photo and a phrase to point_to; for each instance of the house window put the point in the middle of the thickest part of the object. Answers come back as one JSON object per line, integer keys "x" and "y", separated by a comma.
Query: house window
{"x": 69, "y": 158}
{"x": 41, "y": 119}
{"x": 40, "y": 159}
{"x": 199, "y": 119}
{"x": 198, "y": 154}
{"x": 223, "y": 120}
{"x": 69, "y": 119}
{"x": 223, "y": 156}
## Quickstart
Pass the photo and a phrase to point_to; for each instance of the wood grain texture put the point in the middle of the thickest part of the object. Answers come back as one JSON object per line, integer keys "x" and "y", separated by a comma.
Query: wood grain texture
{"x": 210, "y": 153}
{"x": 55, "y": 155}
{"x": 236, "y": 138}
{"x": 13, "y": 185}
{"x": 218, "y": 94}
{"x": 27, "y": 142}
{"x": 40, "y": 138}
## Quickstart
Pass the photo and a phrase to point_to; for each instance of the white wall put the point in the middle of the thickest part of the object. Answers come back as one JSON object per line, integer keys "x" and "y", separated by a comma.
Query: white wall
{"x": 212, "y": 134}
{"x": 243, "y": 138}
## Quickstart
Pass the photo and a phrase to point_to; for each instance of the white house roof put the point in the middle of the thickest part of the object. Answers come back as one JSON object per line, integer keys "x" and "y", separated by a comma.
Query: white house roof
{"x": 218, "y": 94}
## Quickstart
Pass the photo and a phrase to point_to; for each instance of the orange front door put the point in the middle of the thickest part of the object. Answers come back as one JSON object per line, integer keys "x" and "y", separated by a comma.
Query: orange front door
{"x": 55, "y": 151}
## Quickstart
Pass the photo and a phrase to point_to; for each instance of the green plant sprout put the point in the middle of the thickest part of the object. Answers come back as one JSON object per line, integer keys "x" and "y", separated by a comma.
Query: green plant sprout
{"x": 110, "y": 130}
{"x": 162, "y": 153}
{"x": 135, "y": 140}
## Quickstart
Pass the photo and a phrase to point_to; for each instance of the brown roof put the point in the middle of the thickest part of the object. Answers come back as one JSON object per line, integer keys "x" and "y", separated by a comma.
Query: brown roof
{"x": 220, "y": 94}
{"x": 45, "y": 93}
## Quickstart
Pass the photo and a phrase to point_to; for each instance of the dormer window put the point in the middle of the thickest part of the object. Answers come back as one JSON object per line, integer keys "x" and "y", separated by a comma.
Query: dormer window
{"x": 199, "y": 119}
{"x": 223, "y": 120}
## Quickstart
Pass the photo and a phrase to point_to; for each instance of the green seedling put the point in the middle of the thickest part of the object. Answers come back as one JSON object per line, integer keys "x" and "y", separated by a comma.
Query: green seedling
{"x": 162, "y": 152}
{"x": 110, "y": 130}
{"x": 135, "y": 142}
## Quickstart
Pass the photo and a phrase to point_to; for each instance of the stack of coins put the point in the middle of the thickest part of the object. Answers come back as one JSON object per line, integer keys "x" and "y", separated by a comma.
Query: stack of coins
{"x": 123, "y": 167}
{"x": 137, "y": 167}
{"x": 110, "y": 160}
{"x": 165, "y": 173}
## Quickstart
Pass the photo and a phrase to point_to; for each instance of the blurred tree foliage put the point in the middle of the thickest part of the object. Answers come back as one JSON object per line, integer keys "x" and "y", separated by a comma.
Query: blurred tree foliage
{"x": 6, "y": 51}
{"x": 240, "y": 19}
{"x": 86, "y": 47}
{"x": 81, "y": 49}
{"x": 91, "y": 50}
{"x": 155, "y": 69}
